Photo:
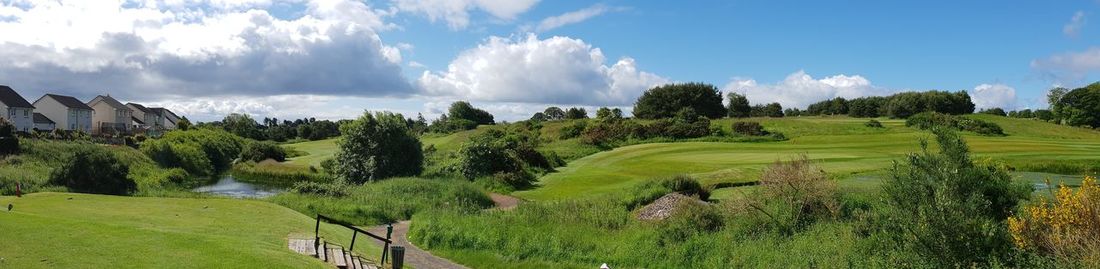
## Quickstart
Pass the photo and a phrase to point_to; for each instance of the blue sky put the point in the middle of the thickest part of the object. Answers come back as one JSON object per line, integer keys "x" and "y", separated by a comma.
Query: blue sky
{"x": 517, "y": 57}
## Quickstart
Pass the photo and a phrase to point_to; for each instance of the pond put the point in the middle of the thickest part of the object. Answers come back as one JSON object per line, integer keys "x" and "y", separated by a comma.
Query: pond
{"x": 229, "y": 186}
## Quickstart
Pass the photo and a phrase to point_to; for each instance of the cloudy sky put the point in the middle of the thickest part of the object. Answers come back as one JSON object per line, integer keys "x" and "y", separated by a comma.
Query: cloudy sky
{"x": 332, "y": 59}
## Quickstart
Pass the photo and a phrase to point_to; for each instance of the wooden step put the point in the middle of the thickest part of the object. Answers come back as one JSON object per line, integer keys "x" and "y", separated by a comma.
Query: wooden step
{"x": 338, "y": 258}
{"x": 353, "y": 262}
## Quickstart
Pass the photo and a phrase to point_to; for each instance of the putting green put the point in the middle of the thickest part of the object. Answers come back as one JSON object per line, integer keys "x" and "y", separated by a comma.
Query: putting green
{"x": 316, "y": 152}
{"x": 69, "y": 230}
{"x": 842, "y": 146}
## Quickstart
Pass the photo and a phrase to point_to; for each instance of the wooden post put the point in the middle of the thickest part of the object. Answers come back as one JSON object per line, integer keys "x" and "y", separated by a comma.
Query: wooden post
{"x": 386, "y": 247}
{"x": 354, "y": 233}
{"x": 317, "y": 236}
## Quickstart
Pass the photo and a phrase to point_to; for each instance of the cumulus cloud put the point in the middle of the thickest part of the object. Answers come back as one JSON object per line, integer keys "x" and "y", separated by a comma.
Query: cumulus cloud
{"x": 1073, "y": 28}
{"x": 457, "y": 12}
{"x": 161, "y": 49}
{"x": 994, "y": 95}
{"x": 559, "y": 70}
{"x": 800, "y": 89}
{"x": 1069, "y": 67}
{"x": 571, "y": 17}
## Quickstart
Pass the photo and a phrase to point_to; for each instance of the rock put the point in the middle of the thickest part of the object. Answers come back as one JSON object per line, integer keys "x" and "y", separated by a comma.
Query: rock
{"x": 664, "y": 207}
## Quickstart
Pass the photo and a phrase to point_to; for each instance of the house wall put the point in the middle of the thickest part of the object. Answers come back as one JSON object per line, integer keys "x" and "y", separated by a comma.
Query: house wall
{"x": 57, "y": 112}
{"x": 105, "y": 113}
{"x": 17, "y": 117}
{"x": 81, "y": 119}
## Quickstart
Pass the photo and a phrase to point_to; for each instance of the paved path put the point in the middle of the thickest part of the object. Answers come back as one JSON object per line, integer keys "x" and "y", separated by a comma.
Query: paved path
{"x": 425, "y": 260}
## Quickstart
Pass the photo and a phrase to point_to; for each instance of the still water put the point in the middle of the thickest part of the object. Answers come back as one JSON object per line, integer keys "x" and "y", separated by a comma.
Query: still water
{"x": 229, "y": 186}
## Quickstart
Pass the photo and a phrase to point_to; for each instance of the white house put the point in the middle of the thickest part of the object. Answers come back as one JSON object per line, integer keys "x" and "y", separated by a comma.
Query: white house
{"x": 16, "y": 110}
{"x": 43, "y": 123}
{"x": 111, "y": 116}
{"x": 143, "y": 117}
{"x": 67, "y": 112}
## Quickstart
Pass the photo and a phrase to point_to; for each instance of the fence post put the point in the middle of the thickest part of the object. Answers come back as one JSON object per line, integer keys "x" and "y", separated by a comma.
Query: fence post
{"x": 354, "y": 233}
{"x": 389, "y": 232}
{"x": 317, "y": 236}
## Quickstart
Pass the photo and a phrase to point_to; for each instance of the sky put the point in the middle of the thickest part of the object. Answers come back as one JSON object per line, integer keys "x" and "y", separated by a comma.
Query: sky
{"x": 335, "y": 59}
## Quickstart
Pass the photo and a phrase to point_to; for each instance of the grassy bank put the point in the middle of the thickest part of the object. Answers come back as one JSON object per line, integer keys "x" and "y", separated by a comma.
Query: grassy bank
{"x": 37, "y": 158}
{"x": 386, "y": 201}
{"x": 65, "y": 230}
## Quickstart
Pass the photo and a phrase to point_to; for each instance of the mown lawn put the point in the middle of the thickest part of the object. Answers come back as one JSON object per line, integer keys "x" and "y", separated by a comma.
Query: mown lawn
{"x": 69, "y": 230}
{"x": 316, "y": 152}
{"x": 842, "y": 145}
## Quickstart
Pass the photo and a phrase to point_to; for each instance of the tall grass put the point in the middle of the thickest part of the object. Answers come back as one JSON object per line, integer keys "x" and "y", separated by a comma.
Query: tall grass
{"x": 38, "y": 158}
{"x": 388, "y": 200}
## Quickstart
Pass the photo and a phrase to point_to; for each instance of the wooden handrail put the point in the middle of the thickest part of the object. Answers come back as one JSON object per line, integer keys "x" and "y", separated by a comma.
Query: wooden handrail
{"x": 355, "y": 233}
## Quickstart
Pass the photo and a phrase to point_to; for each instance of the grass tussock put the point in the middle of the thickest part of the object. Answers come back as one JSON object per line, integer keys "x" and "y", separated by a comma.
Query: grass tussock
{"x": 385, "y": 201}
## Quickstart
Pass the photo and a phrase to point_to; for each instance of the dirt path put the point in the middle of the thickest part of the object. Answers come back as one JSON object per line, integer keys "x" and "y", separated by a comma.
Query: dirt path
{"x": 425, "y": 260}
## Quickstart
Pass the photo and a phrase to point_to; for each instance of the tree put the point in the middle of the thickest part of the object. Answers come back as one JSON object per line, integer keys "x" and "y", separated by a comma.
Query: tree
{"x": 1054, "y": 98}
{"x": 866, "y": 107}
{"x": 109, "y": 176}
{"x": 463, "y": 110}
{"x": 554, "y": 113}
{"x": 792, "y": 112}
{"x": 258, "y": 151}
{"x": 242, "y": 125}
{"x": 305, "y": 131}
{"x": 575, "y": 113}
{"x": 378, "y": 146}
{"x": 607, "y": 114}
{"x": 1080, "y": 107}
{"x": 738, "y": 105}
{"x": 9, "y": 143}
{"x": 603, "y": 113}
{"x": 774, "y": 110}
{"x": 184, "y": 124}
{"x": 994, "y": 111}
{"x": 539, "y": 117}
{"x": 664, "y": 101}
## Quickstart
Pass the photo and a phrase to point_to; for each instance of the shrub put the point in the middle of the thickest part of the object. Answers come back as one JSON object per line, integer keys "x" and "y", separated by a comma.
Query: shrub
{"x": 258, "y": 151}
{"x": 931, "y": 120}
{"x": 9, "y": 143}
{"x": 1067, "y": 228}
{"x": 946, "y": 209}
{"x": 794, "y": 194}
{"x": 187, "y": 156}
{"x": 573, "y": 130}
{"x": 378, "y": 146}
{"x": 749, "y": 128}
{"x": 488, "y": 154}
{"x": 335, "y": 188}
{"x": 873, "y": 124}
{"x": 94, "y": 170}
{"x": 654, "y": 189}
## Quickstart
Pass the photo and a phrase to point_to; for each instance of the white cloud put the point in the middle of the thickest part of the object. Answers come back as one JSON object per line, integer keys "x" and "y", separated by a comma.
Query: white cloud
{"x": 457, "y": 12}
{"x": 800, "y": 89}
{"x": 558, "y": 70}
{"x": 158, "y": 49}
{"x": 571, "y": 17}
{"x": 1069, "y": 67}
{"x": 415, "y": 64}
{"x": 994, "y": 95}
{"x": 1073, "y": 28}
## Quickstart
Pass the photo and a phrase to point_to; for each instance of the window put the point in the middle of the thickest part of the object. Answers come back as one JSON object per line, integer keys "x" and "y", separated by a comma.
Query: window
{"x": 26, "y": 113}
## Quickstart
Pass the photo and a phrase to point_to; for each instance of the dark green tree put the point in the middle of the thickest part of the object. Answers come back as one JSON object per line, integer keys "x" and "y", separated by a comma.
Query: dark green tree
{"x": 574, "y": 113}
{"x": 664, "y": 101}
{"x": 242, "y": 125}
{"x": 378, "y": 146}
{"x": 463, "y": 110}
{"x": 109, "y": 176}
{"x": 554, "y": 113}
{"x": 738, "y": 105}
{"x": 1081, "y": 106}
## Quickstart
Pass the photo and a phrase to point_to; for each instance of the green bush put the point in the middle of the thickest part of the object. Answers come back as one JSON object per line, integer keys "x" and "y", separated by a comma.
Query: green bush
{"x": 654, "y": 189}
{"x": 873, "y": 124}
{"x": 948, "y": 210}
{"x": 258, "y": 151}
{"x": 748, "y": 128}
{"x": 188, "y": 156}
{"x": 573, "y": 130}
{"x": 9, "y": 143}
{"x": 931, "y": 120}
{"x": 91, "y": 170}
{"x": 665, "y": 101}
{"x": 378, "y": 146}
{"x": 219, "y": 148}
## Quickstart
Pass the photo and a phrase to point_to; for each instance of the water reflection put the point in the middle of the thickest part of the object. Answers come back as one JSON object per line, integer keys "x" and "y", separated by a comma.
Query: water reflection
{"x": 229, "y": 186}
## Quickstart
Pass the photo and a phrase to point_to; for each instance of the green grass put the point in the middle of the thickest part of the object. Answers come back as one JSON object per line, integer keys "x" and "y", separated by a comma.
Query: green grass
{"x": 68, "y": 230}
{"x": 315, "y": 152}
{"x": 389, "y": 200}
{"x": 842, "y": 146}
{"x": 37, "y": 158}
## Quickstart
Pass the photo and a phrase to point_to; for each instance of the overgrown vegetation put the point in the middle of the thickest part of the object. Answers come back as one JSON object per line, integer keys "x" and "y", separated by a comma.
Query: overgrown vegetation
{"x": 947, "y": 210}
{"x": 384, "y": 201}
{"x": 109, "y": 176}
{"x": 258, "y": 151}
{"x": 1066, "y": 228}
{"x": 930, "y": 120}
{"x": 201, "y": 151}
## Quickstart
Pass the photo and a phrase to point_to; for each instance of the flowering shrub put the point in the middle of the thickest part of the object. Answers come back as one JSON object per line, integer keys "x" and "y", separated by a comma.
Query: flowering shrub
{"x": 1067, "y": 228}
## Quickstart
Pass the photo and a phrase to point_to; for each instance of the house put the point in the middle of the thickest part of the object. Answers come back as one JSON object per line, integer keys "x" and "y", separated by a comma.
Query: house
{"x": 66, "y": 112}
{"x": 144, "y": 118}
{"x": 43, "y": 123}
{"x": 167, "y": 118}
{"x": 16, "y": 110}
{"x": 111, "y": 116}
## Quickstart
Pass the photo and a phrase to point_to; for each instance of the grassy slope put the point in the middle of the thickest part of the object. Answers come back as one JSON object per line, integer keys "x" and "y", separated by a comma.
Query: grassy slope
{"x": 842, "y": 145}
{"x": 317, "y": 151}
{"x": 67, "y": 230}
